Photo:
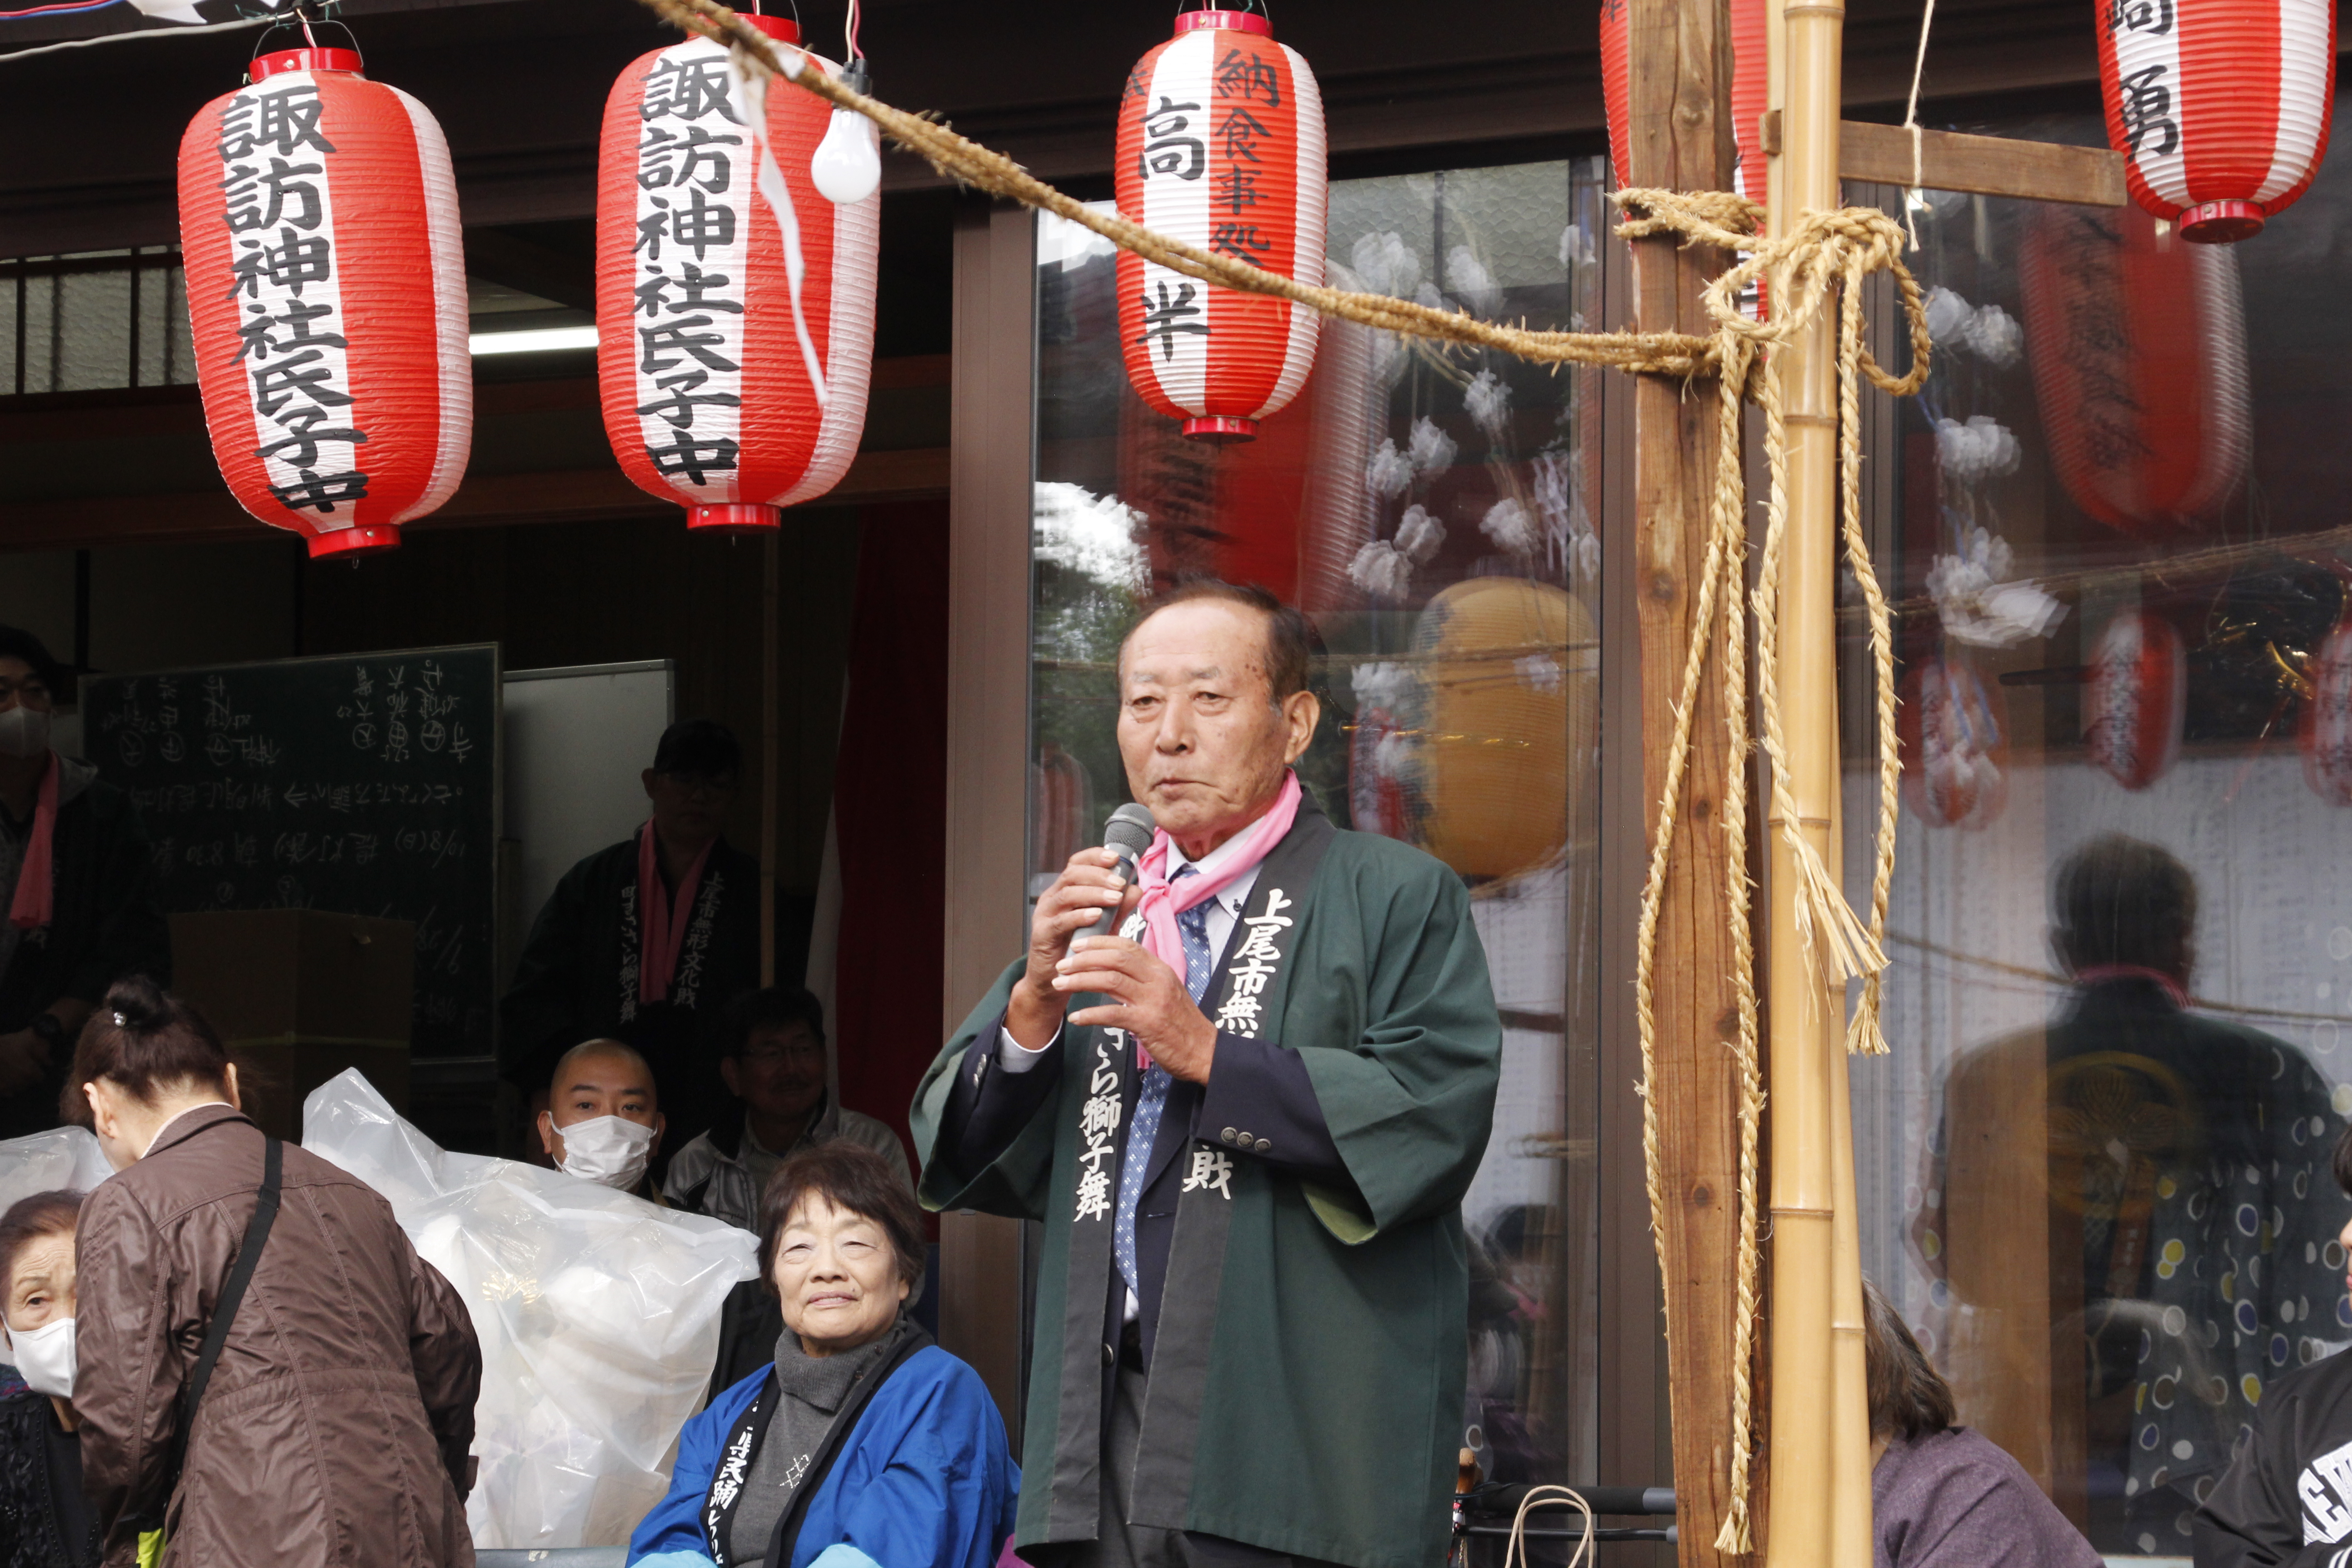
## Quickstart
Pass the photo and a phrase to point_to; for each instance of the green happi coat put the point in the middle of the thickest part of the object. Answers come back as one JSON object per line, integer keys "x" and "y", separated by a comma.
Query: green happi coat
{"x": 1307, "y": 1385}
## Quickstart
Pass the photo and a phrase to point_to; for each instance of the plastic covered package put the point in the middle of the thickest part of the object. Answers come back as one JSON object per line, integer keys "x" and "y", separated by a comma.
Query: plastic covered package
{"x": 597, "y": 1313}
{"x": 65, "y": 1158}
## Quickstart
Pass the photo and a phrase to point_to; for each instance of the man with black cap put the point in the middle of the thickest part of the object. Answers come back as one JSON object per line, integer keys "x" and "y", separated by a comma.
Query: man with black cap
{"x": 645, "y": 941}
{"x": 78, "y": 907}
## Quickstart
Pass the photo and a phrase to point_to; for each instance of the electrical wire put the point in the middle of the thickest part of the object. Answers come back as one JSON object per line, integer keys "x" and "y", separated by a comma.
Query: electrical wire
{"x": 67, "y": 7}
{"x": 849, "y": 33}
{"x": 141, "y": 33}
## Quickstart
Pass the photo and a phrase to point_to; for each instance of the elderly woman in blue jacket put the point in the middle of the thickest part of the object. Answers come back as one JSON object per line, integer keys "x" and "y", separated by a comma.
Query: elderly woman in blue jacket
{"x": 865, "y": 1444}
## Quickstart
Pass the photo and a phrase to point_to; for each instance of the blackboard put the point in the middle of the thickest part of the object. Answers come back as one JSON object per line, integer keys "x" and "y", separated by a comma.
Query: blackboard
{"x": 361, "y": 784}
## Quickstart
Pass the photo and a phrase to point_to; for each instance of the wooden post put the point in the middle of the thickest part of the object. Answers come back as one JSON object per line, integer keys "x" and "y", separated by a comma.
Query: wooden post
{"x": 1819, "y": 1435}
{"x": 769, "y": 785}
{"x": 1680, "y": 82}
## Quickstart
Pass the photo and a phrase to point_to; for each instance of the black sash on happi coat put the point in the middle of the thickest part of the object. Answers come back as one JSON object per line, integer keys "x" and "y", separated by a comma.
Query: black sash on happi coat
{"x": 1246, "y": 997}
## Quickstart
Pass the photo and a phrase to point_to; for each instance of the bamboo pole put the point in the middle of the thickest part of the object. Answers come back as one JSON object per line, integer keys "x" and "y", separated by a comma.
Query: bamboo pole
{"x": 1817, "y": 1417}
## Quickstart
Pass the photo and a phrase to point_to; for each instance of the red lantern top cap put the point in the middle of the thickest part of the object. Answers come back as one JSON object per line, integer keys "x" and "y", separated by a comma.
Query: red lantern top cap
{"x": 311, "y": 59}
{"x": 783, "y": 29}
{"x": 1230, "y": 21}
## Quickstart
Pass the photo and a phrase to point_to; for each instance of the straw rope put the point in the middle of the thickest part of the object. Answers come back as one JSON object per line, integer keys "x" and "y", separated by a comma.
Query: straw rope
{"x": 1824, "y": 254}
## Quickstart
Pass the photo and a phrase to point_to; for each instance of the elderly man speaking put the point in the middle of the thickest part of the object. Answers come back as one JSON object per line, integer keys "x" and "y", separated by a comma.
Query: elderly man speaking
{"x": 1247, "y": 1123}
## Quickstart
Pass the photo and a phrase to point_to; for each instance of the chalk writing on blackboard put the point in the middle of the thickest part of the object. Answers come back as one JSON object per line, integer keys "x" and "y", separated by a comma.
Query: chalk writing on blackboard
{"x": 363, "y": 784}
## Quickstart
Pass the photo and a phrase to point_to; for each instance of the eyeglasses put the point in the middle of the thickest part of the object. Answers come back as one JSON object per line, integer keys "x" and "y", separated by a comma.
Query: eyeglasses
{"x": 777, "y": 1055}
{"x": 702, "y": 783}
{"x": 30, "y": 688}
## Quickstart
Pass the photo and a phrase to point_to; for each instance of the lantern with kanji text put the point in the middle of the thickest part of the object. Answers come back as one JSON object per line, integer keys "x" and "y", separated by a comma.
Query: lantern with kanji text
{"x": 1221, "y": 144}
{"x": 2138, "y": 345}
{"x": 2220, "y": 106}
{"x": 734, "y": 301}
{"x": 327, "y": 297}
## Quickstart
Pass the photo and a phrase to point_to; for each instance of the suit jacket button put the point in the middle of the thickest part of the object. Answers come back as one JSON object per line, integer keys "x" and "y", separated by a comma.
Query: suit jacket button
{"x": 1242, "y": 1140}
{"x": 1262, "y": 1145}
{"x": 1228, "y": 1135}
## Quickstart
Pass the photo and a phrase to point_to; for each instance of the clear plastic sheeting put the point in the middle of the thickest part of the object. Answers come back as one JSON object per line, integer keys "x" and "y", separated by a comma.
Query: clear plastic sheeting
{"x": 67, "y": 1158}
{"x": 598, "y": 1315}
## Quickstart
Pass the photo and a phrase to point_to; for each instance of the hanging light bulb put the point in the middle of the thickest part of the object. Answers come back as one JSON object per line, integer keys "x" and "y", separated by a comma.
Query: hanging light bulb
{"x": 846, "y": 167}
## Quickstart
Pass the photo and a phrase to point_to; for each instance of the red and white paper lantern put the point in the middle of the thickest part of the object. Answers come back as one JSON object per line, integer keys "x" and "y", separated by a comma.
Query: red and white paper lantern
{"x": 2328, "y": 720}
{"x": 2220, "y": 106}
{"x": 729, "y": 386}
{"x": 2137, "y": 699}
{"x": 326, "y": 293}
{"x": 1954, "y": 747}
{"x": 2138, "y": 343}
{"x": 1220, "y": 144}
{"x": 1750, "y": 85}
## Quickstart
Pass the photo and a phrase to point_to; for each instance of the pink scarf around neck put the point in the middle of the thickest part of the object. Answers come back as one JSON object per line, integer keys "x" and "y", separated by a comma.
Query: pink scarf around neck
{"x": 1164, "y": 901}
{"x": 2100, "y": 973}
{"x": 662, "y": 919}
{"x": 34, "y": 904}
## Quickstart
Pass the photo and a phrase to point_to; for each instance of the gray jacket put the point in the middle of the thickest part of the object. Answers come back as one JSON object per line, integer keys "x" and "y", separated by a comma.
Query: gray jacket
{"x": 708, "y": 1176}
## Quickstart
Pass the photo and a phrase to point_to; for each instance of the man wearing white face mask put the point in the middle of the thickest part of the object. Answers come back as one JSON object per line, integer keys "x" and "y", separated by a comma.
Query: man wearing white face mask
{"x": 603, "y": 1121}
{"x": 40, "y": 1435}
{"x": 78, "y": 907}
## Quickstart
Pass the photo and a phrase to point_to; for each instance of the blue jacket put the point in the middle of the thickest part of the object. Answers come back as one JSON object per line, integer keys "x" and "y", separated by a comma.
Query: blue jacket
{"x": 925, "y": 1479}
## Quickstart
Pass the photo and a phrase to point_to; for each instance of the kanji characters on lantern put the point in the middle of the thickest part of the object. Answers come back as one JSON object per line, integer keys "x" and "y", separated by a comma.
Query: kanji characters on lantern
{"x": 326, "y": 293}
{"x": 2137, "y": 699}
{"x": 1220, "y": 144}
{"x": 2220, "y": 107}
{"x": 2138, "y": 345}
{"x": 734, "y": 311}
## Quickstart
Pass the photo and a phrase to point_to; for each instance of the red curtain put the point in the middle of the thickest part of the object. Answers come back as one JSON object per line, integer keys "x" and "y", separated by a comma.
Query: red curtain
{"x": 889, "y": 807}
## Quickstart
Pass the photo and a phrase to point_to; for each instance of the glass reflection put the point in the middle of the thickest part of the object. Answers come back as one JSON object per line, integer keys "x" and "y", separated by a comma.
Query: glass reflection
{"x": 2095, "y": 1174}
{"x": 1434, "y": 514}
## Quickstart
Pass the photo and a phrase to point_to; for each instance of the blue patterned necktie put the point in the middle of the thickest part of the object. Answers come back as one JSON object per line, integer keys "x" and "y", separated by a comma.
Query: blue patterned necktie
{"x": 1144, "y": 1129}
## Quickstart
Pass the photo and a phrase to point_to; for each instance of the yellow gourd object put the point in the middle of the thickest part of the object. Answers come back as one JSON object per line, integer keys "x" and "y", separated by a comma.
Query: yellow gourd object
{"x": 1511, "y": 675}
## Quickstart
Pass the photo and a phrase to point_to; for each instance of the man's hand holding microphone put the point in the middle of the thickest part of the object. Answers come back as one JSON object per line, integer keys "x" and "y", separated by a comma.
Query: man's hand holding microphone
{"x": 1074, "y": 948}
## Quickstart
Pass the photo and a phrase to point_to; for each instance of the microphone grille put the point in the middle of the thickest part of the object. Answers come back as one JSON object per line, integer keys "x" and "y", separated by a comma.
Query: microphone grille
{"x": 1130, "y": 830}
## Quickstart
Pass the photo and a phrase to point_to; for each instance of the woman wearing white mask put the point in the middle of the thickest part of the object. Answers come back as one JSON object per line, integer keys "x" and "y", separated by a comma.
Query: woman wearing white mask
{"x": 44, "y": 1520}
{"x": 603, "y": 1121}
{"x": 78, "y": 906}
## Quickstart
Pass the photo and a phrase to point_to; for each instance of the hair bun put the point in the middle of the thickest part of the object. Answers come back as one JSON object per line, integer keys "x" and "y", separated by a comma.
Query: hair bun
{"x": 138, "y": 1004}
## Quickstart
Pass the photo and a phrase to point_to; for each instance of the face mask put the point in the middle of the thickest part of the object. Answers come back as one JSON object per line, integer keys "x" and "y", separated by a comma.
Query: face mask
{"x": 608, "y": 1150}
{"x": 23, "y": 732}
{"x": 45, "y": 1357}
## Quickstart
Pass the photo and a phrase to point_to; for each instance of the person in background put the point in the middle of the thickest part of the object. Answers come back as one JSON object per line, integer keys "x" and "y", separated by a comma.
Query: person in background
{"x": 1942, "y": 1496}
{"x": 44, "y": 1520}
{"x": 337, "y": 1423}
{"x": 604, "y": 1122}
{"x": 772, "y": 1057}
{"x": 78, "y": 904}
{"x": 2286, "y": 1497}
{"x": 644, "y": 940}
{"x": 861, "y": 1444}
{"x": 2178, "y": 1151}
{"x": 771, "y": 1045}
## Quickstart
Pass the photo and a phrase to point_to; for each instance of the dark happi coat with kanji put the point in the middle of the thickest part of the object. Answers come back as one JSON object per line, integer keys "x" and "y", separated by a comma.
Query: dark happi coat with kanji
{"x": 1306, "y": 1378}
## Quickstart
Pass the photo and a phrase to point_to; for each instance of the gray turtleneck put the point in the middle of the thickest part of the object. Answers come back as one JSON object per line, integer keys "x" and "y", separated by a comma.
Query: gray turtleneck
{"x": 814, "y": 1388}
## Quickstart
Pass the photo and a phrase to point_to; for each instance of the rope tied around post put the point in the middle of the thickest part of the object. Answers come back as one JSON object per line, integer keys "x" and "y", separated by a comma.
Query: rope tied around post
{"x": 1825, "y": 259}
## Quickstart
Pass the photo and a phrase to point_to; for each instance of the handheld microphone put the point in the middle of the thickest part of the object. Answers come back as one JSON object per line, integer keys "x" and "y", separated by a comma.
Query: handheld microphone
{"x": 1128, "y": 834}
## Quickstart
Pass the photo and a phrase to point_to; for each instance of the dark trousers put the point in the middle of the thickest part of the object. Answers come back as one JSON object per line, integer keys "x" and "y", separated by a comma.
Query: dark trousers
{"x": 1121, "y": 1544}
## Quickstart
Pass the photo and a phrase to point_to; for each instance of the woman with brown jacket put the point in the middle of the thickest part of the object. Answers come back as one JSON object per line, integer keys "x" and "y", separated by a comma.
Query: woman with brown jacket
{"x": 335, "y": 1426}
